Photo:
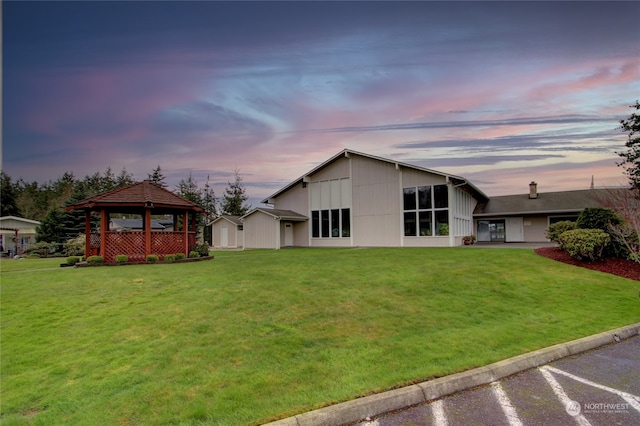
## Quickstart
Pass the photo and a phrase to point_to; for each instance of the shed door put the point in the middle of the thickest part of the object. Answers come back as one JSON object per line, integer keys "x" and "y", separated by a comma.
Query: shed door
{"x": 224, "y": 237}
{"x": 514, "y": 229}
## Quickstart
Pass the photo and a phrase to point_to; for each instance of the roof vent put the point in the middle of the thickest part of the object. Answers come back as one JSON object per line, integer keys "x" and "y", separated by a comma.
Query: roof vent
{"x": 533, "y": 190}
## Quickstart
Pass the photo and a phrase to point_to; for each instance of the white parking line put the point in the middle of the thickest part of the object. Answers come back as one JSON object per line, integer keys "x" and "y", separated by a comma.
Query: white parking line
{"x": 562, "y": 396}
{"x": 439, "y": 418}
{"x": 633, "y": 400}
{"x": 505, "y": 403}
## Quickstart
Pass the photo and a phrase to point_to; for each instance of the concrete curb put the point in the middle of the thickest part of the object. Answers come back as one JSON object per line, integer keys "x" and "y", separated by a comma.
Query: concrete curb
{"x": 374, "y": 405}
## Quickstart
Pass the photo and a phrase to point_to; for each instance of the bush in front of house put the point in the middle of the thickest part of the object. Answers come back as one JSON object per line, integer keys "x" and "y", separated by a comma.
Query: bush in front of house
{"x": 201, "y": 249}
{"x": 40, "y": 249}
{"x": 169, "y": 258}
{"x": 585, "y": 244}
{"x": 554, "y": 231}
{"x": 193, "y": 254}
{"x": 604, "y": 219}
{"x": 180, "y": 256}
{"x": 72, "y": 260}
{"x": 152, "y": 258}
{"x": 122, "y": 258}
{"x": 95, "y": 260}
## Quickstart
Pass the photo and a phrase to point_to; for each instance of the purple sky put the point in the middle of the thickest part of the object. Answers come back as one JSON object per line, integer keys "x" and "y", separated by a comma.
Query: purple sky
{"x": 501, "y": 93}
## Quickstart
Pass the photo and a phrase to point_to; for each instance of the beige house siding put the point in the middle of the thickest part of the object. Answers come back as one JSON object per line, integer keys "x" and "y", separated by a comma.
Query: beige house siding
{"x": 535, "y": 227}
{"x": 296, "y": 199}
{"x": 261, "y": 231}
{"x": 234, "y": 235}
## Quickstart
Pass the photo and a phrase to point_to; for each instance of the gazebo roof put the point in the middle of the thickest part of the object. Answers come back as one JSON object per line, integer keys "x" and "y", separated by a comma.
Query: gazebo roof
{"x": 144, "y": 194}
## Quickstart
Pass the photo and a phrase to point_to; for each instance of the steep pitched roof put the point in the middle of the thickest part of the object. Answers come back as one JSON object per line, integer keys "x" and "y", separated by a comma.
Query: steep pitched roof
{"x": 347, "y": 152}
{"x": 230, "y": 218}
{"x": 546, "y": 202}
{"x": 279, "y": 214}
{"x": 141, "y": 194}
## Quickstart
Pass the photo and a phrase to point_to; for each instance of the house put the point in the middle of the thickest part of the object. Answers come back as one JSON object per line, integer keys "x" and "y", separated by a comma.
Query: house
{"x": 356, "y": 199}
{"x": 525, "y": 217}
{"x": 17, "y": 234}
{"x": 227, "y": 231}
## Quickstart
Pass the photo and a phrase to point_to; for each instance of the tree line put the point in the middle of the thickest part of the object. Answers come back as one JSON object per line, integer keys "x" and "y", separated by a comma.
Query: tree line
{"x": 46, "y": 202}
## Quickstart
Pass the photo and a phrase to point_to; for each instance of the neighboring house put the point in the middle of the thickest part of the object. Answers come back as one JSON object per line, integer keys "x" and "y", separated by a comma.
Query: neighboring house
{"x": 227, "y": 231}
{"x": 525, "y": 217}
{"x": 135, "y": 225}
{"x": 355, "y": 199}
{"x": 17, "y": 234}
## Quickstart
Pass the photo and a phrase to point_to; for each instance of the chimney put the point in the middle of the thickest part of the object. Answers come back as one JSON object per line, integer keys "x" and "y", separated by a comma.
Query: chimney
{"x": 533, "y": 190}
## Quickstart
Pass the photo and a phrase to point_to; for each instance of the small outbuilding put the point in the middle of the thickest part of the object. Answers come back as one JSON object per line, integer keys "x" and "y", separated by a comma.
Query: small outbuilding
{"x": 228, "y": 231}
{"x": 145, "y": 199}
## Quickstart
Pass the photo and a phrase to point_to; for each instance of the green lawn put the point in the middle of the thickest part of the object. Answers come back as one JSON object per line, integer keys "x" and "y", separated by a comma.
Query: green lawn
{"x": 259, "y": 335}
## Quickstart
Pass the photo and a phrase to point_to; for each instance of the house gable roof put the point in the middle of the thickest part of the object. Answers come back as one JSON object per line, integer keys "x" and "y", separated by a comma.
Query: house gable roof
{"x": 230, "y": 218}
{"x": 141, "y": 194}
{"x": 278, "y": 214}
{"x": 6, "y": 219}
{"x": 545, "y": 203}
{"x": 347, "y": 153}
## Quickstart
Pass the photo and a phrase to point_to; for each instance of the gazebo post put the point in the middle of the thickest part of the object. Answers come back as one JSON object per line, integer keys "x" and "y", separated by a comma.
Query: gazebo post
{"x": 185, "y": 229}
{"x": 104, "y": 227}
{"x": 147, "y": 232}
{"x": 87, "y": 233}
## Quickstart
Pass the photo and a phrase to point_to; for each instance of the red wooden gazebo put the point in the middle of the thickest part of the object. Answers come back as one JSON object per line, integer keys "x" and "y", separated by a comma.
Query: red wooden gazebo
{"x": 145, "y": 199}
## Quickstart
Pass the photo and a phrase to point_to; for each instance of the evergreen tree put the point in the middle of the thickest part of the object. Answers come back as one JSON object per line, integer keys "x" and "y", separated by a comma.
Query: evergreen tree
{"x": 157, "y": 177}
{"x": 631, "y": 162}
{"x": 235, "y": 197}
{"x": 8, "y": 197}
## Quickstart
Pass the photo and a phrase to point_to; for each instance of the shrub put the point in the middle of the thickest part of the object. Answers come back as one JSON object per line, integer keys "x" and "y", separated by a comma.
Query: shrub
{"x": 75, "y": 246}
{"x": 554, "y": 231}
{"x": 180, "y": 256}
{"x": 152, "y": 258}
{"x": 597, "y": 218}
{"x": 201, "y": 249}
{"x": 72, "y": 260}
{"x": 585, "y": 244}
{"x": 193, "y": 254}
{"x": 169, "y": 258}
{"x": 40, "y": 249}
{"x": 122, "y": 258}
{"x": 95, "y": 260}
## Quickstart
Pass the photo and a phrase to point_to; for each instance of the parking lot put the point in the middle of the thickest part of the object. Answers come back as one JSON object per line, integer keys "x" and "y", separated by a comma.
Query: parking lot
{"x": 599, "y": 387}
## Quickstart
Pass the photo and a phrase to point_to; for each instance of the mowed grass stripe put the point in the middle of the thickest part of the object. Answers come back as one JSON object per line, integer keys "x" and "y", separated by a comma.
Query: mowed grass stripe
{"x": 257, "y": 335}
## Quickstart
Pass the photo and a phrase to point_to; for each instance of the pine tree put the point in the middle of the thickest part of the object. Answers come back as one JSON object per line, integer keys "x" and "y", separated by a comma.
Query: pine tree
{"x": 8, "y": 198}
{"x": 235, "y": 197}
{"x": 157, "y": 177}
{"x": 631, "y": 162}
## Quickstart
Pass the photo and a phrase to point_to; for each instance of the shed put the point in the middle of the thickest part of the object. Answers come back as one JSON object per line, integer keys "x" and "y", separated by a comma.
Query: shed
{"x": 271, "y": 228}
{"x": 228, "y": 231}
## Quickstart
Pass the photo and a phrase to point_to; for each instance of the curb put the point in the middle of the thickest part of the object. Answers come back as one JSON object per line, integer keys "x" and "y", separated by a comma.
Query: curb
{"x": 374, "y": 405}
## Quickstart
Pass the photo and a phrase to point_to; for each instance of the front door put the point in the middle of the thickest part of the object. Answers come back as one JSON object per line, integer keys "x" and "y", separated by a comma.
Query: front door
{"x": 288, "y": 234}
{"x": 491, "y": 230}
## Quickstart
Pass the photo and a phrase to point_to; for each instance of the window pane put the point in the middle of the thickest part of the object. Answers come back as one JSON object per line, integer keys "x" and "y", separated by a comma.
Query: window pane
{"x": 442, "y": 222}
{"x": 346, "y": 223}
{"x": 325, "y": 223}
{"x": 426, "y": 229}
{"x": 335, "y": 223}
{"x": 410, "y": 224}
{"x": 409, "y": 198}
{"x": 424, "y": 197}
{"x": 315, "y": 224}
{"x": 440, "y": 196}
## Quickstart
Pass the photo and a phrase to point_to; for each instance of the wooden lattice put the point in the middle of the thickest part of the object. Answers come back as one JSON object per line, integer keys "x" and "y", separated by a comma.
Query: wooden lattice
{"x": 132, "y": 243}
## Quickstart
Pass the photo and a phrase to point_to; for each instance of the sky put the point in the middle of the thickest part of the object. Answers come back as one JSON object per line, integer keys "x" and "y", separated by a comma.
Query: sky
{"x": 501, "y": 93}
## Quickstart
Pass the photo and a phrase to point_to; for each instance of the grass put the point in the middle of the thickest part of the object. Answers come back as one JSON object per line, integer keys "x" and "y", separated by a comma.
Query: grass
{"x": 259, "y": 335}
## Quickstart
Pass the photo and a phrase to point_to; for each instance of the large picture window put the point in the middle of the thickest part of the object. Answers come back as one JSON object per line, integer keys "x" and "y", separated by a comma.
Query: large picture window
{"x": 426, "y": 211}
{"x": 334, "y": 223}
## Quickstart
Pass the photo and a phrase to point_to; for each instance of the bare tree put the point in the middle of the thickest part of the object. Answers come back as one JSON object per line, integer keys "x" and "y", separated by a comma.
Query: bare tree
{"x": 626, "y": 203}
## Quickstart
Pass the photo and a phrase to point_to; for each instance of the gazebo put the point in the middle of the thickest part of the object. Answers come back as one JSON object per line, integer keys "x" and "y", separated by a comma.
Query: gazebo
{"x": 145, "y": 199}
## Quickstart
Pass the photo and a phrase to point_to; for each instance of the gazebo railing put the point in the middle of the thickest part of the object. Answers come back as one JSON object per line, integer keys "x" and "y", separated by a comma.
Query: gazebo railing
{"x": 132, "y": 243}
